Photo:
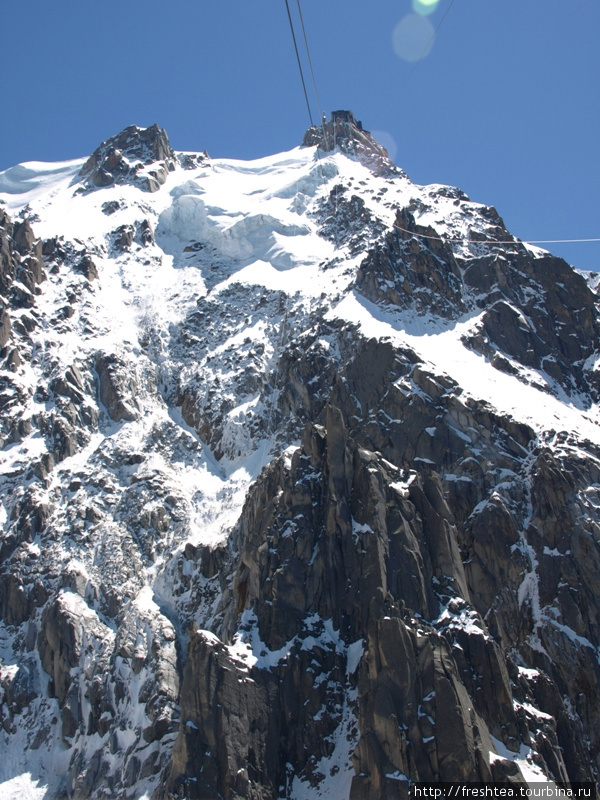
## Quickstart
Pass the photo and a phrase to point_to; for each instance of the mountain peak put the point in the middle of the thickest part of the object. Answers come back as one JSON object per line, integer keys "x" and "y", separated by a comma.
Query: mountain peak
{"x": 345, "y": 132}
{"x": 299, "y": 481}
{"x": 124, "y": 158}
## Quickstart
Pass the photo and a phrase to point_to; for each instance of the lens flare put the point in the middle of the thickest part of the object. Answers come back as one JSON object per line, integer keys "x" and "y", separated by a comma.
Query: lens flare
{"x": 424, "y": 7}
{"x": 413, "y": 37}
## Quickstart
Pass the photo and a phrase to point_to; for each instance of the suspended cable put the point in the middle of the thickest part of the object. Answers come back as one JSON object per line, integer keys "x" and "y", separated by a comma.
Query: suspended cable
{"x": 314, "y": 83}
{"x": 287, "y": 5}
{"x": 494, "y": 241}
{"x": 312, "y": 73}
{"x": 558, "y": 241}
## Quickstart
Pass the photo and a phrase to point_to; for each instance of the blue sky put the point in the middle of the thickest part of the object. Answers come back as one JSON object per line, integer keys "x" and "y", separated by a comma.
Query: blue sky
{"x": 505, "y": 105}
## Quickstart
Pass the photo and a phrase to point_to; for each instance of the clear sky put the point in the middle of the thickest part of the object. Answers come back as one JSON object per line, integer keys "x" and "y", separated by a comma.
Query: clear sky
{"x": 505, "y": 105}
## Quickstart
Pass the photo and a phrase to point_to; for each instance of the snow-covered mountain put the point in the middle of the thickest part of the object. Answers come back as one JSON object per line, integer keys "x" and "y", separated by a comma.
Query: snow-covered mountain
{"x": 300, "y": 481}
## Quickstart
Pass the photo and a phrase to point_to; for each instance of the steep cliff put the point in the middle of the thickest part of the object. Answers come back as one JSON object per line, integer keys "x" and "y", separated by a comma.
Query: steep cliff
{"x": 300, "y": 481}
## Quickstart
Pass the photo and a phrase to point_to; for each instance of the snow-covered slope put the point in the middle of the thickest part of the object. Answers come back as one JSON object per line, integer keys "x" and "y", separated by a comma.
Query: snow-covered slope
{"x": 382, "y": 357}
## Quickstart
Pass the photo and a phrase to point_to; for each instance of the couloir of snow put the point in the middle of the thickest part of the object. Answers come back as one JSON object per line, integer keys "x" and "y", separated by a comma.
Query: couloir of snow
{"x": 256, "y": 219}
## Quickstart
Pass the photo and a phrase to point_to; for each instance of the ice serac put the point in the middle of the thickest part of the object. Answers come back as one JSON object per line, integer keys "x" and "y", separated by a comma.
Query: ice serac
{"x": 300, "y": 482}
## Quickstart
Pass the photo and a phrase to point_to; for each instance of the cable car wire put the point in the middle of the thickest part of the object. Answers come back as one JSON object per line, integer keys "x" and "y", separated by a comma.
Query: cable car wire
{"x": 287, "y": 5}
{"x": 312, "y": 73}
{"x": 492, "y": 241}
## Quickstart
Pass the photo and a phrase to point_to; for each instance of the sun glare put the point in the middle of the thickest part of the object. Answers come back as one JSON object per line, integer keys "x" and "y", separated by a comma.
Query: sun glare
{"x": 424, "y": 7}
{"x": 413, "y": 37}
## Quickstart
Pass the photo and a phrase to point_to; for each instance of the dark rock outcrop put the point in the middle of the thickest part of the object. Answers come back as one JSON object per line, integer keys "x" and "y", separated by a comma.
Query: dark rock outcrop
{"x": 5, "y": 327}
{"x": 343, "y": 131}
{"x": 116, "y": 387}
{"x": 68, "y": 627}
{"x": 347, "y": 221}
{"x": 21, "y": 276}
{"x": 20, "y": 262}
{"x": 536, "y": 312}
{"x": 420, "y": 566}
{"x": 141, "y": 156}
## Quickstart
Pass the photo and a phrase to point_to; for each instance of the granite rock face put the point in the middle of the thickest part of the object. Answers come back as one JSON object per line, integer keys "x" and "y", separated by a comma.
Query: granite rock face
{"x": 420, "y": 567}
{"x": 141, "y": 156}
{"x": 21, "y": 275}
{"x": 291, "y": 509}
{"x": 540, "y": 317}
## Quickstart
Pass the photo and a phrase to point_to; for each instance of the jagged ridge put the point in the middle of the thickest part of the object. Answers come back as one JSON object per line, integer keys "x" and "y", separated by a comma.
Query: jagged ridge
{"x": 409, "y": 588}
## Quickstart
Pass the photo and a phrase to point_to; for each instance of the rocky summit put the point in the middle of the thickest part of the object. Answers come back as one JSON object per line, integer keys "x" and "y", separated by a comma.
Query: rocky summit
{"x": 299, "y": 479}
